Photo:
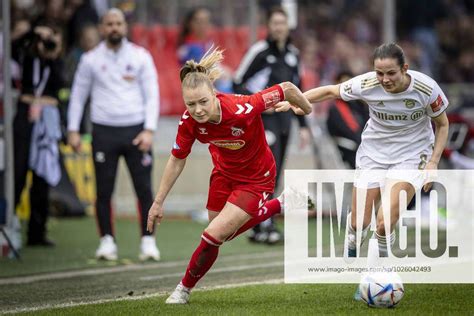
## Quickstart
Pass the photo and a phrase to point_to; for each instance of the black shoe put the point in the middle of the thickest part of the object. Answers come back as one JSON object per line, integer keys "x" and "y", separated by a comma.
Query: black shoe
{"x": 44, "y": 242}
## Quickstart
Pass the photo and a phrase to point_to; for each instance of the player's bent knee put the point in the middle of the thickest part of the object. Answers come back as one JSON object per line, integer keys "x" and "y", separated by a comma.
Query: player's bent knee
{"x": 217, "y": 234}
{"x": 211, "y": 239}
{"x": 380, "y": 228}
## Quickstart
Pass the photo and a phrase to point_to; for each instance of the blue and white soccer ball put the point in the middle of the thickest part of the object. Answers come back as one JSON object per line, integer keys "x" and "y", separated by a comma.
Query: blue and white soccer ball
{"x": 381, "y": 289}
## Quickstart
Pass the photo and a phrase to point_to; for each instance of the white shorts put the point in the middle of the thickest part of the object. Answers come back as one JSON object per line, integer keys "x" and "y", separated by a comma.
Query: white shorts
{"x": 371, "y": 174}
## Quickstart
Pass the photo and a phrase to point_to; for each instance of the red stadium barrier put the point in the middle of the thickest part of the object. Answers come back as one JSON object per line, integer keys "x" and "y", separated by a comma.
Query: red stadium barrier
{"x": 161, "y": 41}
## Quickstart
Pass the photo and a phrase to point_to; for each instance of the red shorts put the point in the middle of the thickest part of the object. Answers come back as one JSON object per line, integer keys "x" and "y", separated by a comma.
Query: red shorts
{"x": 248, "y": 196}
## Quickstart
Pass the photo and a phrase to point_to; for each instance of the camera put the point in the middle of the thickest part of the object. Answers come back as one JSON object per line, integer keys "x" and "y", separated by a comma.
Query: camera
{"x": 49, "y": 44}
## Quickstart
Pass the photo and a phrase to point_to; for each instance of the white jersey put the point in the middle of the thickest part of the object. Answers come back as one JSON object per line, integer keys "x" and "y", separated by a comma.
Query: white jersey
{"x": 400, "y": 123}
{"x": 123, "y": 86}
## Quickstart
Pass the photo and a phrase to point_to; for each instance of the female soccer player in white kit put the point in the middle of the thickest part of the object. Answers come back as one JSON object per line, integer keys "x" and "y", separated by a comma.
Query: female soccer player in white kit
{"x": 397, "y": 137}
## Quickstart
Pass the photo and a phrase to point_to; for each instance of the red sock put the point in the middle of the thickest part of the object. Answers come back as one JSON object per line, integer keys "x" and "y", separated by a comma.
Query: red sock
{"x": 202, "y": 260}
{"x": 270, "y": 208}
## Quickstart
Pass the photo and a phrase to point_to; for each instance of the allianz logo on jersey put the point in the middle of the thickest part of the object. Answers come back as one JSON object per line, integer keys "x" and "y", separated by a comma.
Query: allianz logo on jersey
{"x": 414, "y": 116}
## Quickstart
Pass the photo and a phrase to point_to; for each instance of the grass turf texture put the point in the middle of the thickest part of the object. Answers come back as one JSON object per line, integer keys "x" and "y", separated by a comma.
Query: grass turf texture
{"x": 280, "y": 299}
{"x": 77, "y": 240}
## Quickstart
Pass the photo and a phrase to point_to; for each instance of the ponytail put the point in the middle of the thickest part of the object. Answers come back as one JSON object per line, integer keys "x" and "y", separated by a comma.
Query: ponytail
{"x": 192, "y": 73}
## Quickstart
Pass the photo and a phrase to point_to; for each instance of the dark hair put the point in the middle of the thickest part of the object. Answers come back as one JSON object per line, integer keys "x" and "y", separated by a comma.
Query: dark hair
{"x": 390, "y": 50}
{"x": 186, "y": 25}
{"x": 343, "y": 73}
{"x": 275, "y": 10}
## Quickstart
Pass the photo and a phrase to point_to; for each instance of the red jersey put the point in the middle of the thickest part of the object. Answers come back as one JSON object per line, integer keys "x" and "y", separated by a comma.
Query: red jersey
{"x": 237, "y": 143}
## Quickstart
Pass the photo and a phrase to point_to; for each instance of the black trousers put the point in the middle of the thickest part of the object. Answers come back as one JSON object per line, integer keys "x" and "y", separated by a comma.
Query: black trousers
{"x": 277, "y": 127}
{"x": 39, "y": 190}
{"x": 280, "y": 129}
{"x": 108, "y": 144}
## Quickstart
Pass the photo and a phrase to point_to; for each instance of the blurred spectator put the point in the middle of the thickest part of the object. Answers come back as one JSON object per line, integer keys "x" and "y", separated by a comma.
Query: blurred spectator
{"x": 194, "y": 39}
{"x": 38, "y": 52}
{"x": 83, "y": 14}
{"x": 345, "y": 122}
{"x": 266, "y": 63}
{"x": 122, "y": 81}
{"x": 88, "y": 39}
{"x": 54, "y": 13}
{"x": 417, "y": 20}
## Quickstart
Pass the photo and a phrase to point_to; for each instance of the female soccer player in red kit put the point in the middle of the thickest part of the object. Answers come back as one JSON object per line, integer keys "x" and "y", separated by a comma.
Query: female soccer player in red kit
{"x": 244, "y": 169}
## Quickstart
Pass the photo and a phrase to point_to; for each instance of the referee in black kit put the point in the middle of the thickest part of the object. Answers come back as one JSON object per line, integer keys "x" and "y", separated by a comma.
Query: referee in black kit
{"x": 266, "y": 63}
{"x": 122, "y": 81}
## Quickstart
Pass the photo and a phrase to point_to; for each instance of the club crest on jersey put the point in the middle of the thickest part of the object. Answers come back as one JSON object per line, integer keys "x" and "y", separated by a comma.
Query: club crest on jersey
{"x": 409, "y": 103}
{"x": 236, "y": 131}
{"x": 229, "y": 144}
{"x": 202, "y": 131}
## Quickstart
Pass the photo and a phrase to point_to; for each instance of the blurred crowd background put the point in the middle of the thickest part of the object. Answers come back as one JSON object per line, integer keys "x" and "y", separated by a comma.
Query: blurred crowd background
{"x": 333, "y": 35}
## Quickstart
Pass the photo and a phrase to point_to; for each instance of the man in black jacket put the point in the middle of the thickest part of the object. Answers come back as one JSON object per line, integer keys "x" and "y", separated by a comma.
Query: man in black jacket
{"x": 266, "y": 63}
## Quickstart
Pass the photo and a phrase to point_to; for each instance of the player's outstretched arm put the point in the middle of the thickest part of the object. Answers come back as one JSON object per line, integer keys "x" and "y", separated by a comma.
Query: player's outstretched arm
{"x": 296, "y": 97}
{"x": 173, "y": 169}
{"x": 441, "y": 137}
{"x": 323, "y": 93}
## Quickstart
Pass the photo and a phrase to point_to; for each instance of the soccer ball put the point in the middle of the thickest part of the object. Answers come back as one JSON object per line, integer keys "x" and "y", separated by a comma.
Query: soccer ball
{"x": 381, "y": 289}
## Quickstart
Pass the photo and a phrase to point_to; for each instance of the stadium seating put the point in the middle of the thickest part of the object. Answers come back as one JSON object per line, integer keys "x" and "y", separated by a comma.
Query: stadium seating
{"x": 161, "y": 41}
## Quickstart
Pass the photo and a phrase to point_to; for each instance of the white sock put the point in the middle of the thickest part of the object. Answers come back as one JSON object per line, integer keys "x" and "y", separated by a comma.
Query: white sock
{"x": 382, "y": 243}
{"x": 184, "y": 287}
{"x": 373, "y": 253}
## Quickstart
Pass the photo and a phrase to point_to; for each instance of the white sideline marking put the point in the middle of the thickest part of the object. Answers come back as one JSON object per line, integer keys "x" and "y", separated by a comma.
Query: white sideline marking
{"x": 218, "y": 270}
{"x": 132, "y": 267}
{"x": 135, "y": 298}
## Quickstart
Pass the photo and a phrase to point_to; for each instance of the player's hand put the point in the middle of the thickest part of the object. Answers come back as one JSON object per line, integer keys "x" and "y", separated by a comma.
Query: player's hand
{"x": 34, "y": 111}
{"x": 155, "y": 213}
{"x": 144, "y": 140}
{"x": 283, "y": 106}
{"x": 305, "y": 137}
{"x": 430, "y": 173}
{"x": 74, "y": 140}
{"x": 297, "y": 110}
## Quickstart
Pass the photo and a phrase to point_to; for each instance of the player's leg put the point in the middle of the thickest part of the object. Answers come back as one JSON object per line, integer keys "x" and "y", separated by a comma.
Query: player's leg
{"x": 274, "y": 235}
{"x": 222, "y": 226}
{"x": 364, "y": 202}
{"x": 105, "y": 154}
{"x": 140, "y": 164}
{"x": 384, "y": 233}
{"x": 272, "y": 125}
{"x": 369, "y": 176}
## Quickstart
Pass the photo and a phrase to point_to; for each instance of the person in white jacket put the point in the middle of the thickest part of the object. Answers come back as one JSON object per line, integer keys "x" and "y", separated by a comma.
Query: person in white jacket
{"x": 121, "y": 79}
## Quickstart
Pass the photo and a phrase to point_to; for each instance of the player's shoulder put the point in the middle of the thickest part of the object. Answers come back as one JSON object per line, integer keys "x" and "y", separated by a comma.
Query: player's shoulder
{"x": 229, "y": 101}
{"x": 367, "y": 81}
{"x": 186, "y": 121}
{"x": 235, "y": 104}
{"x": 422, "y": 83}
